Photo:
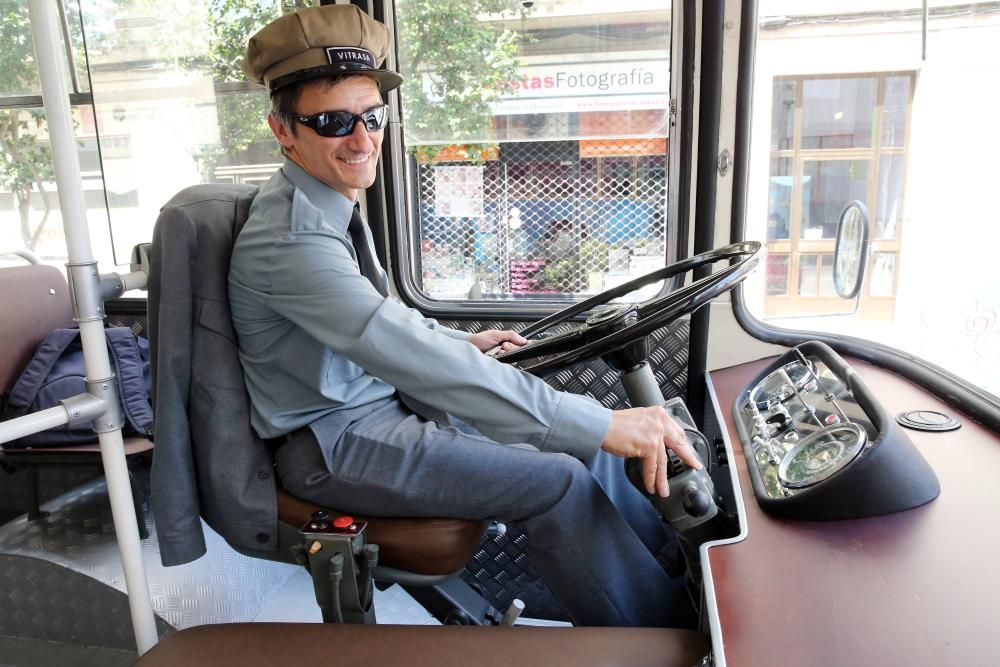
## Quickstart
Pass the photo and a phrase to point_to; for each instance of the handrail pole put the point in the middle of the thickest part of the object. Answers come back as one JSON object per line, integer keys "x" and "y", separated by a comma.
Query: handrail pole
{"x": 85, "y": 288}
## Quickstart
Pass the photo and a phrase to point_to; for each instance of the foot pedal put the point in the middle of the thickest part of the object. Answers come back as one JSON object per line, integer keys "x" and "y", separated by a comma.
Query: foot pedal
{"x": 513, "y": 612}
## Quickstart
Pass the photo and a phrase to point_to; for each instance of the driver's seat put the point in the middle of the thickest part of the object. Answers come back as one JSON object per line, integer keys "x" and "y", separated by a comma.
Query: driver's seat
{"x": 208, "y": 461}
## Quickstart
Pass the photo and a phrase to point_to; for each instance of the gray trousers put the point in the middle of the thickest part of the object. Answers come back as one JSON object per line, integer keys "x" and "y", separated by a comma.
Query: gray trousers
{"x": 395, "y": 463}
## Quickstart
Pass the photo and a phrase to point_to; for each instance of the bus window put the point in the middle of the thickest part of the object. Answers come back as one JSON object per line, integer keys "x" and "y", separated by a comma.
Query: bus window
{"x": 535, "y": 139}
{"x": 173, "y": 106}
{"x": 537, "y": 155}
{"x": 30, "y": 219}
{"x": 160, "y": 104}
{"x": 846, "y": 108}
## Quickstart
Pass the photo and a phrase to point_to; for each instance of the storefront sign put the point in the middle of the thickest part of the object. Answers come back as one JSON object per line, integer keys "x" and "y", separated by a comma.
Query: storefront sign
{"x": 584, "y": 86}
{"x": 604, "y": 86}
{"x": 523, "y": 274}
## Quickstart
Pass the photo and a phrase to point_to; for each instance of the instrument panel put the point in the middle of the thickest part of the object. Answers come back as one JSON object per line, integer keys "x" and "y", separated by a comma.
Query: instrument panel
{"x": 804, "y": 425}
{"x": 819, "y": 446}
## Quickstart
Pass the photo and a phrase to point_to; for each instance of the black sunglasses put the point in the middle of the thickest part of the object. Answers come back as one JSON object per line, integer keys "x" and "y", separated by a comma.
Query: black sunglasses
{"x": 341, "y": 123}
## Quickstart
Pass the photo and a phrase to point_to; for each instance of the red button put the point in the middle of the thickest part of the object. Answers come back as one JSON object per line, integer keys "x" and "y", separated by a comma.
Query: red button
{"x": 832, "y": 419}
{"x": 342, "y": 522}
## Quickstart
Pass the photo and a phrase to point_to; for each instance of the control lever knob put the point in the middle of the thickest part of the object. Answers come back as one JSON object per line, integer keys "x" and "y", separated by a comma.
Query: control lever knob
{"x": 319, "y": 515}
{"x": 513, "y": 612}
{"x": 496, "y": 529}
{"x": 695, "y": 501}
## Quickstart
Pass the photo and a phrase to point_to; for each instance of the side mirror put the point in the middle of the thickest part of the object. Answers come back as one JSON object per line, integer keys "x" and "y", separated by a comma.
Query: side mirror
{"x": 850, "y": 255}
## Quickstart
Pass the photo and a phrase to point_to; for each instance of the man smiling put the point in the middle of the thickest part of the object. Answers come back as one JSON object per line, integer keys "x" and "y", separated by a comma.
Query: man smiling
{"x": 348, "y": 164}
{"x": 333, "y": 364}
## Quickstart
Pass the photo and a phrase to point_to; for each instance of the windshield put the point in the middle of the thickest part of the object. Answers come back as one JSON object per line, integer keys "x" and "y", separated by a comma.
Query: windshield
{"x": 539, "y": 171}
{"x": 850, "y": 103}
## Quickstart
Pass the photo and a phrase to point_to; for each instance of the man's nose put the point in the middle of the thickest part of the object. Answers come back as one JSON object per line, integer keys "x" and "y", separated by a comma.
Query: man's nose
{"x": 359, "y": 139}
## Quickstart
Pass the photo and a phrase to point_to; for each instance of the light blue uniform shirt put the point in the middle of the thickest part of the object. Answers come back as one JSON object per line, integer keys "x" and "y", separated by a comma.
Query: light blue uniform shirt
{"x": 316, "y": 338}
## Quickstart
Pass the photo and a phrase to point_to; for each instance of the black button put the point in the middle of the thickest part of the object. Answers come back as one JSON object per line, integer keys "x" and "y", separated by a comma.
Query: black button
{"x": 263, "y": 474}
{"x": 263, "y": 538}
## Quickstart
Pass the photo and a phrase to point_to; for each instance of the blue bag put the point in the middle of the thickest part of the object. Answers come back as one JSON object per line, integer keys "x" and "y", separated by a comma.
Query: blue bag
{"x": 56, "y": 371}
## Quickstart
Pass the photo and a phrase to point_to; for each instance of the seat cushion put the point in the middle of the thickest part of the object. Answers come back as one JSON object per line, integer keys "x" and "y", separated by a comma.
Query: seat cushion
{"x": 269, "y": 644}
{"x": 422, "y": 546}
{"x": 133, "y": 445}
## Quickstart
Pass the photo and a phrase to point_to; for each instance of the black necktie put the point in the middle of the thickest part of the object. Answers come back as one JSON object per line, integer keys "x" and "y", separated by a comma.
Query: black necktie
{"x": 369, "y": 269}
{"x": 367, "y": 263}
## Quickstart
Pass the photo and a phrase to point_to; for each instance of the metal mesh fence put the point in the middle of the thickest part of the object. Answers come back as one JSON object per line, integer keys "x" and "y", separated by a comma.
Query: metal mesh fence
{"x": 541, "y": 218}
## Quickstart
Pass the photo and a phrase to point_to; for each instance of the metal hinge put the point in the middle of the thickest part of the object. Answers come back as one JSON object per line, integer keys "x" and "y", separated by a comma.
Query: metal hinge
{"x": 725, "y": 162}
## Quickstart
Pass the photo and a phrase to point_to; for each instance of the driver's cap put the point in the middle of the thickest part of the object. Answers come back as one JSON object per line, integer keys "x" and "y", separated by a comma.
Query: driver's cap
{"x": 318, "y": 42}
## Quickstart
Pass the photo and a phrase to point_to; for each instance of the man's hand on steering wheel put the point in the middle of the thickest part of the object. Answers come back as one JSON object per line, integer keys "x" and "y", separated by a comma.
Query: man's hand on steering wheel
{"x": 508, "y": 340}
{"x": 646, "y": 434}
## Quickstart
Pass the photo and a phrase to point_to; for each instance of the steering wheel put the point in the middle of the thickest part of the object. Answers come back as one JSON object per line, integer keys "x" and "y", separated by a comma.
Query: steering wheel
{"x": 613, "y": 328}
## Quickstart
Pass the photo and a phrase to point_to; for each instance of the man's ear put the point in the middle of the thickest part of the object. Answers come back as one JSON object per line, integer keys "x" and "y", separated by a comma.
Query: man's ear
{"x": 280, "y": 131}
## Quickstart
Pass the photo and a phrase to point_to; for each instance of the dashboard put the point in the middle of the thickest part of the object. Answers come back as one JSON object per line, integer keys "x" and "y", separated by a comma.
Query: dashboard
{"x": 912, "y": 586}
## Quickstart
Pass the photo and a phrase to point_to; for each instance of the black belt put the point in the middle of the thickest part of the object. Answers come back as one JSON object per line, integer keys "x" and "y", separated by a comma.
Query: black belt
{"x": 273, "y": 444}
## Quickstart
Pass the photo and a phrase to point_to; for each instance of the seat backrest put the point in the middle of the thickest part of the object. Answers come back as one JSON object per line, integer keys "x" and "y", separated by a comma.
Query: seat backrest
{"x": 35, "y": 301}
{"x": 208, "y": 462}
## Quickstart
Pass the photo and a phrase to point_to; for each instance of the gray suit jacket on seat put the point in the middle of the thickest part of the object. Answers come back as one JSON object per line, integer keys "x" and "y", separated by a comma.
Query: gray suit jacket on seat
{"x": 207, "y": 461}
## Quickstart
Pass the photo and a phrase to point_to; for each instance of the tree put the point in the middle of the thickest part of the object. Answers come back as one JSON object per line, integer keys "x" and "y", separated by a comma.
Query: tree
{"x": 454, "y": 62}
{"x": 25, "y": 162}
{"x": 25, "y": 156}
{"x": 454, "y": 65}
{"x": 465, "y": 61}
{"x": 242, "y": 115}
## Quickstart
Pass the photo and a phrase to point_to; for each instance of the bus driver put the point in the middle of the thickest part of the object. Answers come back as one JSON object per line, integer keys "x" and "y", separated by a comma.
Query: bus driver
{"x": 332, "y": 363}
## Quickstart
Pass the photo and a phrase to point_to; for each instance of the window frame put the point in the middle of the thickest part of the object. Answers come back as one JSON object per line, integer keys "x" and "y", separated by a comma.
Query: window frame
{"x": 799, "y": 158}
{"x": 392, "y": 204}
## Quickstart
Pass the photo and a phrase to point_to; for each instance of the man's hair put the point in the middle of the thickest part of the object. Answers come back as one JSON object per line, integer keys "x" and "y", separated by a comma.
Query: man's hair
{"x": 283, "y": 100}
{"x": 283, "y": 103}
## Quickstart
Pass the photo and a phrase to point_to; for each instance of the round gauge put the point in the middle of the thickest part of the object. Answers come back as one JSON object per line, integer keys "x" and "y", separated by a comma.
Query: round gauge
{"x": 781, "y": 384}
{"x": 821, "y": 454}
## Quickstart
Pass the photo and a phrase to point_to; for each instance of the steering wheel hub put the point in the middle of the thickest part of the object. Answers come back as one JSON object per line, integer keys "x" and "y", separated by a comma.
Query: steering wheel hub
{"x": 610, "y": 314}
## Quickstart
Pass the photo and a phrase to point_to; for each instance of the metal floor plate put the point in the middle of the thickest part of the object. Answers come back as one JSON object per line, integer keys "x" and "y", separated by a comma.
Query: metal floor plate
{"x": 68, "y": 562}
{"x": 294, "y": 603}
{"x": 61, "y": 581}
{"x": 34, "y": 653}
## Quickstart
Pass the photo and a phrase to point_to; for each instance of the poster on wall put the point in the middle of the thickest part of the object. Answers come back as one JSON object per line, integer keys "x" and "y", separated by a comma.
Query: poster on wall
{"x": 458, "y": 192}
